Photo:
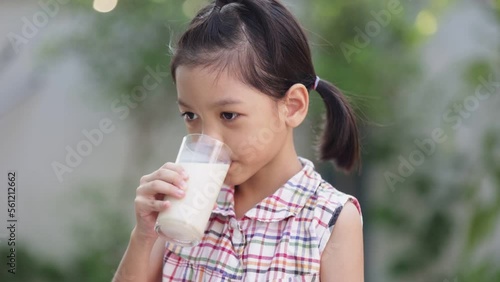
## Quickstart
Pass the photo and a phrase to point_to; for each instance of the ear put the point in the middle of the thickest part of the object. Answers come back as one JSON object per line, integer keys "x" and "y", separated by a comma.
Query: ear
{"x": 296, "y": 102}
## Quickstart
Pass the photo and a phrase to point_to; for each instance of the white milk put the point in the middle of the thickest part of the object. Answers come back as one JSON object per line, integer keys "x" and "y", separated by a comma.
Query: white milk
{"x": 186, "y": 219}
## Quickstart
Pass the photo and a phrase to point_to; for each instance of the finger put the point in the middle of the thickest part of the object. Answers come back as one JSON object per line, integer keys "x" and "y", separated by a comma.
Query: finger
{"x": 166, "y": 175}
{"x": 148, "y": 205}
{"x": 175, "y": 167}
{"x": 151, "y": 189}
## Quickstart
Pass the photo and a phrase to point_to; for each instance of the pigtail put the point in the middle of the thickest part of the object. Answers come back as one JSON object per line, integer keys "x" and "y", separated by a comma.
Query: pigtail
{"x": 339, "y": 141}
{"x": 262, "y": 43}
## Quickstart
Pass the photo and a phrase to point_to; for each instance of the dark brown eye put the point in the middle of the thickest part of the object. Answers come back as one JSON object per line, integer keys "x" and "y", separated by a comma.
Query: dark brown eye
{"x": 228, "y": 116}
{"x": 189, "y": 116}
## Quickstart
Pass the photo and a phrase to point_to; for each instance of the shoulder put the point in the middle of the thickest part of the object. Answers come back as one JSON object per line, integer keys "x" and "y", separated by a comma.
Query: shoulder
{"x": 329, "y": 193}
{"x": 343, "y": 255}
{"x": 334, "y": 201}
{"x": 326, "y": 201}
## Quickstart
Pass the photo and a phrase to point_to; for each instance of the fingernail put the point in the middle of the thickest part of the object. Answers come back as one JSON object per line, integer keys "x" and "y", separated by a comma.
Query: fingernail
{"x": 184, "y": 174}
{"x": 180, "y": 192}
{"x": 184, "y": 184}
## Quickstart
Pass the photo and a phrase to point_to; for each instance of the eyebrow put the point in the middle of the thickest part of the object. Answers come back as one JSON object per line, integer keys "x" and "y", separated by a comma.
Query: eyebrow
{"x": 182, "y": 103}
{"x": 219, "y": 103}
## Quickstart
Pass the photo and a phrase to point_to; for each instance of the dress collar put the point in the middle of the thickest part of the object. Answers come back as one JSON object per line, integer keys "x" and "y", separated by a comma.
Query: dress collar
{"x": 286, "y": 201}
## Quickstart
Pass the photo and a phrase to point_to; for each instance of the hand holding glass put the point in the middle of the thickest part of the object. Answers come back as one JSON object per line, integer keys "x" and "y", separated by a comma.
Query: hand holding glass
{"x": 206, "y": 161}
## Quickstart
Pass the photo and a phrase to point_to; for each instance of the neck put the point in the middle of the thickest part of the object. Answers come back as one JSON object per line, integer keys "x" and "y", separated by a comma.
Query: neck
{"x": 267, "y": 180}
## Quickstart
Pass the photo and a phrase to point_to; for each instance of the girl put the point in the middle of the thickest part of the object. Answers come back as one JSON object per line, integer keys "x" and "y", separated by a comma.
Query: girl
{"x": 243, "y": 73}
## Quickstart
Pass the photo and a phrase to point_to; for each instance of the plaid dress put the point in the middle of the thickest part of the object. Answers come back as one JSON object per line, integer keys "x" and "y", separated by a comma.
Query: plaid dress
{"x": 280, "y": 239}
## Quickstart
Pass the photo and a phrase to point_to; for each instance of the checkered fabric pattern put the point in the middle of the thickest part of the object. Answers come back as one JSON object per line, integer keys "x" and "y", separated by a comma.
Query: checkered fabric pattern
{"x": 280, "y": 239}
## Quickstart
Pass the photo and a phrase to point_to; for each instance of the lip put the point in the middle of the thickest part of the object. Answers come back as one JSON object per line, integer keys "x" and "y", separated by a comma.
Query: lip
{"x": 231, "y": 165}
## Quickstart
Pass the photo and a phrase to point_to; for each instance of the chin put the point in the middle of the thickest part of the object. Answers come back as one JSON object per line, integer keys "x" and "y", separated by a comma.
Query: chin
{"x": 235, "y": 175}
{"x": 231, "y": 180}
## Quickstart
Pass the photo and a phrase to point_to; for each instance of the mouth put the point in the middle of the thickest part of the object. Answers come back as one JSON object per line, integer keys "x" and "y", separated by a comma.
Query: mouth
{"x": 231, "y": 166}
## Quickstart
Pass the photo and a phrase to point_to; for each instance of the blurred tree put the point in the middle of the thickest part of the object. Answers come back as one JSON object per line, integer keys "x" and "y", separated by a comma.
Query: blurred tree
{"x": 371, "y": 49}
{"x": 30, "y": 267}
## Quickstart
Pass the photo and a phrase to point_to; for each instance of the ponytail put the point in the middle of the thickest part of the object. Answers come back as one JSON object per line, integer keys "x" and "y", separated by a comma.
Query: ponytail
{"x": 339, "y": 141}
{"x": 262, "y": 43}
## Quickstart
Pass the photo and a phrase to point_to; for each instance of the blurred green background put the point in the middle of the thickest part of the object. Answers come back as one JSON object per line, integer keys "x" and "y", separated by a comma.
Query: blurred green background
{"x": 424, "y": 77}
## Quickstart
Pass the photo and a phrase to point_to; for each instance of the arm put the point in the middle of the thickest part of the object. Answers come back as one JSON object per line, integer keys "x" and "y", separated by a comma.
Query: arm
{"x": 156, "y": 260}
{"x": 140, "y": 261}
{"x": 143, "y": 258}
{"x": 342, "y": 259}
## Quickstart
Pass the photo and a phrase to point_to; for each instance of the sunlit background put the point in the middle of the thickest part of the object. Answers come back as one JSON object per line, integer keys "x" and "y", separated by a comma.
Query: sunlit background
{"x": 80, "y": 128}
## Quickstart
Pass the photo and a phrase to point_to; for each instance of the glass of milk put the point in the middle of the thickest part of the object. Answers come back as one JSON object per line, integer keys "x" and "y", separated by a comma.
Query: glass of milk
{"x": 206, "y": 160}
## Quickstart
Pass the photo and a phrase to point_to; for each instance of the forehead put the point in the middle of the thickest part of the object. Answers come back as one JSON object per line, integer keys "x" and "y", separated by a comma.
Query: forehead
{"x": 205, "y": 85}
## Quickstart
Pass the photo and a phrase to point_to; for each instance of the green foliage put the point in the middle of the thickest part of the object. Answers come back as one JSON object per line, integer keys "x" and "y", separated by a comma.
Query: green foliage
{"x": 434, "y": 231}
{"x": 30, "y": 267}
{"x": 485, "y": 271}
{"x": 482, "y": 223}
{"x": 101, "y": 235}
{"x": 377, "y": 77}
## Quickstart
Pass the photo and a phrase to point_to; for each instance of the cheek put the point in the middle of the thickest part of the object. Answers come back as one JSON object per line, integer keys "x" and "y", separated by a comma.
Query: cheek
{"x": 237, "y": 174}
{"x": 192, "y": 127}
{"x": 269, "y": 135}
{"x": 259, "y": 139}
{"x": 260, "y": 134}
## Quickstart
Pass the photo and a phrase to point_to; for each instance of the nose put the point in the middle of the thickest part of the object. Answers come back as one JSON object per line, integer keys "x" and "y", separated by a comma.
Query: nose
{"x": 212, "y": 132}
{"x": 215, "y": 132}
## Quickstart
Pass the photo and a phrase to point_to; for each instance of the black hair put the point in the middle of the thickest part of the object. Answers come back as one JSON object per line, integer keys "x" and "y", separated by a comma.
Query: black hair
{"x": 262, "y": 43}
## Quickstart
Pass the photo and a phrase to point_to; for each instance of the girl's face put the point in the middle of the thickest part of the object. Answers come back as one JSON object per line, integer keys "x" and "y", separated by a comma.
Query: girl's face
{"x": 248, "y": 121}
